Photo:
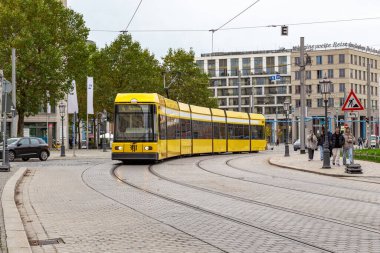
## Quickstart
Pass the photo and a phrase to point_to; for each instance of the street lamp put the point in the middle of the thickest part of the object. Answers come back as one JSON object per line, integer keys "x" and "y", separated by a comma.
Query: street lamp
{"x": 62, "y": 108}
{"x": 326, "y": 90}
{"x": 104, "y": 120}
{"x": 286, "y": 109}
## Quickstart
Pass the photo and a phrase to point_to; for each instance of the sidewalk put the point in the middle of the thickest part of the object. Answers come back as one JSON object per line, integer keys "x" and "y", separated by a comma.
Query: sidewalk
{"x": 80, "y": 153}
{"x": 296, "y": 161}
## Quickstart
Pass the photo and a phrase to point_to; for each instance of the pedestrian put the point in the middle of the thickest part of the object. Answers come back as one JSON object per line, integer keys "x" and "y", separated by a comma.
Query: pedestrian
{"x": 277, "y": 142}
{"x": 360, "y": 142}
{"x": 311, "y": 142}
{"x": 321, "y": 141}
{"x": 337, "y": 142}
{"x": 348, "y": 147}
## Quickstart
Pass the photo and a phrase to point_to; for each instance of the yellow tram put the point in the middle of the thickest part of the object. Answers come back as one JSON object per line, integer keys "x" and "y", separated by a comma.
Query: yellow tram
{"x": 149, "y": 126}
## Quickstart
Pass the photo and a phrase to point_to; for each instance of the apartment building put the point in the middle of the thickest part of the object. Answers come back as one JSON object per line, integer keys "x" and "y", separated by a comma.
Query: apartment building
{"x": 254, "y": 71}
{"x": 347, "y": 69}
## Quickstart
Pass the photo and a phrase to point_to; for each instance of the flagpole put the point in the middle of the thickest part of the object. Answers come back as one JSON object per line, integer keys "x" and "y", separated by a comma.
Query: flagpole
{"x": 87, "y": 132}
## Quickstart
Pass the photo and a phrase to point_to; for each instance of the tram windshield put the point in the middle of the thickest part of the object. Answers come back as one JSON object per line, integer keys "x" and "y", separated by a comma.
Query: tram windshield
{"x": 135, "y": 123}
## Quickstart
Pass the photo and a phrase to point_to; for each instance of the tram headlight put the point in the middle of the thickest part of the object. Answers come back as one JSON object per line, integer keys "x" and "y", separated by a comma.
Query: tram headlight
{"x": 118, "y": 148}
{"x": 148, "y": 148}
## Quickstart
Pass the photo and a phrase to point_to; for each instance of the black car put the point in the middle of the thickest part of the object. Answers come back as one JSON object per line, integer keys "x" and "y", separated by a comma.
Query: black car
{"x": 27, "y": 147}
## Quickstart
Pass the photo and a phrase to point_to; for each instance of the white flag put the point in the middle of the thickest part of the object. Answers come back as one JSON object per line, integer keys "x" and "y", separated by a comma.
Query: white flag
{"x": 90, "y": 94}
{"x": 72, "y": 100}
{"x": 48, "y": 107}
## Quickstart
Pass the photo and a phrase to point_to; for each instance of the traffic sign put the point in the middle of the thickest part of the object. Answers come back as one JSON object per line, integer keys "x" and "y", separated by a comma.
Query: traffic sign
{"x": 352, "y": 103}
{"x": 275, "y": 77}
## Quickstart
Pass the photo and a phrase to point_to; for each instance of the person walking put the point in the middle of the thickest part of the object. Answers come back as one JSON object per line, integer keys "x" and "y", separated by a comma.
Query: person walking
{"x": 348, "y": 147}
{"x": 321, "y": 141}
{"x": 311, "y": 142}
{"x": 360, "y": 142}
{"x": 337, "y": 142}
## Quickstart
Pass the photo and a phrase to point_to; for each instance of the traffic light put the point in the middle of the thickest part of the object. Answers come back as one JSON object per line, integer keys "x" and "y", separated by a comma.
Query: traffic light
{"x": 367, "y": 120}
{"x": 284, "y": 30}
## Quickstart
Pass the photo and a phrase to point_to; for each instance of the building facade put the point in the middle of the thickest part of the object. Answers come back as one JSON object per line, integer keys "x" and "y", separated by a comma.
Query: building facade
{"x": 347, "y": 69}
{"x": 251, "y": 73}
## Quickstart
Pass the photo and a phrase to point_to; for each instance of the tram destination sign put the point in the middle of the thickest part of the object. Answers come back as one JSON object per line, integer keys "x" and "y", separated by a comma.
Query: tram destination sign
{"x": 339, "y": 45}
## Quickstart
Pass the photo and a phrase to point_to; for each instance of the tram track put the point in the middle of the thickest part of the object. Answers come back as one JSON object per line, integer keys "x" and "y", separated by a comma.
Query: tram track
{"x": 112, "y": 172}
{"x": 198, "y": 164}
{"x": 255, "y": 202}
{"x": 215, "y": 214}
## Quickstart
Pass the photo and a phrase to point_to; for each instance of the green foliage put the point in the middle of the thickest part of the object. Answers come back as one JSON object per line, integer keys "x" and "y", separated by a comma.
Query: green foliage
{"x": 372, "y": 155}
{"x": 123, "y": 67}
{"x": 187, "y": 83}
{"x": 51, "y": 50}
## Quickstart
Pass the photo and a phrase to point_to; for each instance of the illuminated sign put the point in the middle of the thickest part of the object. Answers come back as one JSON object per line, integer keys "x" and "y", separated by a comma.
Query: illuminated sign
{"x": 340, "y": 45}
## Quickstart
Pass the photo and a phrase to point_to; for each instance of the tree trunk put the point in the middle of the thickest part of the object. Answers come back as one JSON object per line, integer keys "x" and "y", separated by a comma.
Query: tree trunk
{"x": 79, "y": 134}
{"x": 20, "y": 123}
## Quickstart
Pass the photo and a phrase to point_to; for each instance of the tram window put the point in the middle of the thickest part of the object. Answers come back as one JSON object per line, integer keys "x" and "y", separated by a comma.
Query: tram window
{"x": 135, "y": 123}
{"x": 185, "y": 129}
{"x": 257, "y": 132}
{"x": 202, "y": 129}
{"x": 238, "y": 132}
{"x": 162, "y": 127}
{"x": 219, "y": 130}
{"x": 173, "y": 128}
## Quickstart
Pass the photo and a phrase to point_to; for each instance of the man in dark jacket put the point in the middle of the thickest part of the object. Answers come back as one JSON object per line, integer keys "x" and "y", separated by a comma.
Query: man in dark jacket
{"x": 337, "y": 142}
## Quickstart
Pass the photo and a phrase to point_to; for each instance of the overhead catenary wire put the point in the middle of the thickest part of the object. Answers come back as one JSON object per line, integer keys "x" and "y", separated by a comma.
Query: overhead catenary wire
{"x": 130, "y": 21}
{"x": 239, "y": 28}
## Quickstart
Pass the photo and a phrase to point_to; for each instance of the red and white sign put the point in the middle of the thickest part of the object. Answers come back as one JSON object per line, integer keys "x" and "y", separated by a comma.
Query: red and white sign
{"x": 352, "y": 103}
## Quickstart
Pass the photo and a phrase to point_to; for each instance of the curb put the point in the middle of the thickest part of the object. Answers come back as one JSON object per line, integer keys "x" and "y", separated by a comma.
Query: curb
{"x": 309, "y": 171}
{"x": 17, "y": 241}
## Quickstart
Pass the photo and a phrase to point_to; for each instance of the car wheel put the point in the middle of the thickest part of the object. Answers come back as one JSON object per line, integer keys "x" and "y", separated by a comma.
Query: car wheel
{"x": 25, "y": 159}
{"x": 44, "y": 155}
{"x": 11, "y": 156}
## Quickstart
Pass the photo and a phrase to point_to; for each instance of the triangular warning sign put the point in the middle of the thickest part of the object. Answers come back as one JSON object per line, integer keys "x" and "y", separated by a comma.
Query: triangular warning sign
{"x": 352, "y": 103}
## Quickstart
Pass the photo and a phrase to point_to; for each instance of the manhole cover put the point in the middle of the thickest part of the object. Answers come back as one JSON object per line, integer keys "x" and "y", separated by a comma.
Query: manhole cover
{"x": 46, "y": 242}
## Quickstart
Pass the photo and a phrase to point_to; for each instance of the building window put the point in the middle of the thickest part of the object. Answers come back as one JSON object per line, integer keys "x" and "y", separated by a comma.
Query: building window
{"x": 342, "y": 73}
{"x": 330, "y": 59}
{"x": 360, "y": 60}
{"x": 356, "y": 74}
{"x": 360, "y": 75}
{"x": 375, "y": 77}
{"x": 258, "y": 91}
{"x": 341, "y": 101}
{"x": 330, "y": 73}
{"x": 364, "y": 75}
{"x": 308, "y": 103}
{"x": 360, "y": 89}
{"x": 319, "y": 102}
{"x": 342, "y": 87}
{"x": 352, "y": 61}
{"x": 298, "y": 103}
{"x": 308, "y": 89}
{"x": 297, "y": 61}
{"x": 372, "y": 90}
{"x": 270, "y": 65}
{"x": 341, "y": 58}
{"x": 319, "y": 60}
{"x": 319, "y": 74}
{"x": 297, "y": 75}
{"x": 356, "y": 88}
{"x": 371, "y": 77}
{"x": 308, "y": 75}
{"x": 371, "y": 63}
{"x": 223, "y": 67}
{"x": 318, "y": 88}
{"x": 246, "y": 66}
{"x": 351, "y": 73}
{"x": 331, "y": 102}
{"x": 375, "y": 64}
{"x": 258, "y": 62}
{"x": 297, "y": 89}
{"x": 332, "y": 88}
{"x": 234, "y": 66}
{"x": 356, "y": 59}
{"x": 283, "y": 64}
{"x": 363, "y": 89}
{"x": 211, "y": 67}
{"x": 201, "y": 65}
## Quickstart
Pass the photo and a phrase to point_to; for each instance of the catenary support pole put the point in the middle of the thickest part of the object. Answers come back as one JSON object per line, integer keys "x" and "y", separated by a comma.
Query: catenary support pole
{"x": 369, "y": 127}
{"x": 303, "y": 102}
{"x": 14, "y": 117}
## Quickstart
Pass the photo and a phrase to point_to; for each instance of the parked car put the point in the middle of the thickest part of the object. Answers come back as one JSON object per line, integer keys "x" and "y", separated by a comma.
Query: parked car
{"x": 26, "y": 148}
{"x": 297, "y": 145}
{"x": 373, "y": 141}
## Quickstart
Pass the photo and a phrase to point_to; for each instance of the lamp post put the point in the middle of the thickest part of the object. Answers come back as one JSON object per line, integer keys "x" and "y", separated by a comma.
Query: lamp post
{"x": 62, "y": 109}
{"x": 326, "y": 90}
{"x": 286, "y": 109}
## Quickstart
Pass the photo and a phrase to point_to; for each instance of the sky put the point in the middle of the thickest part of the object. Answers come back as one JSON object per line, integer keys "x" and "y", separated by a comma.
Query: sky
{"x": 211, "y": 14}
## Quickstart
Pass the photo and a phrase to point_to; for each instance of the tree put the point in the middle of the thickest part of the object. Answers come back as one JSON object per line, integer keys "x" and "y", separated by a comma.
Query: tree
{"x": 51, "y": 47}
{"x": 123, "y": 67}
{"x": 188, "y": 83}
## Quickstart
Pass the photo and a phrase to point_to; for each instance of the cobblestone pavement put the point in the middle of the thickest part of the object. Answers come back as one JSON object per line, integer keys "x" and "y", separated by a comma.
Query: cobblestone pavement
{"x": 226, "y": 203}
